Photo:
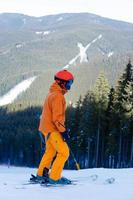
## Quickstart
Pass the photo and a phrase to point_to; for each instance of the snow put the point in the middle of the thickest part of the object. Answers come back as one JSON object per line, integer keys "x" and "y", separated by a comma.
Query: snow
{"x": 5, "y": 52}
{"x": 38, "y": 32}
{"x": 46, "y": 32}
{"x": 43, "y": 32}
{"x": 102, "y": 51}
{"x": 100, "y": 36}
{"x": 82, "y": 54}
{"x": 110, "y": 54}
{"x": 60, "y": 19}
{"x": 16, "y": 91}
{"x": 18, "y": 45}
{"x": 87, "y": 186}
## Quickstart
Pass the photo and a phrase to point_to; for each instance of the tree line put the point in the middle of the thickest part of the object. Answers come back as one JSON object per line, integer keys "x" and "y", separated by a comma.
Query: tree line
{"x": 101, "y": 124}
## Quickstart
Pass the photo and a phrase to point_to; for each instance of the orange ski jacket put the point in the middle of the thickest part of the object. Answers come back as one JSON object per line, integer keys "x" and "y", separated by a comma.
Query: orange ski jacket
{"x": 53, "y": 114}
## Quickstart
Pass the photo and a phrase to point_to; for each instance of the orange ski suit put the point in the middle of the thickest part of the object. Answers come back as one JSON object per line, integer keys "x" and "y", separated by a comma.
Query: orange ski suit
{"x": 53, "y": 115}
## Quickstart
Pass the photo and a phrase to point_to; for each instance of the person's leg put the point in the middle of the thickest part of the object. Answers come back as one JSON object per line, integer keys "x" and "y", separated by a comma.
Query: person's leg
{"x": 62, "y": 149}
{"x": 47, "y": 158}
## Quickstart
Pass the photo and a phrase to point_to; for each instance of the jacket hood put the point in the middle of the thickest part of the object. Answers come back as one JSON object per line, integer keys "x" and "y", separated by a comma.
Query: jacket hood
{"x": 56, "y": 88}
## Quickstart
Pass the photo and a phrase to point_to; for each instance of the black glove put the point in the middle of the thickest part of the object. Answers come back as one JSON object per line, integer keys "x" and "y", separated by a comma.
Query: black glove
{"x": 66, "y": 135}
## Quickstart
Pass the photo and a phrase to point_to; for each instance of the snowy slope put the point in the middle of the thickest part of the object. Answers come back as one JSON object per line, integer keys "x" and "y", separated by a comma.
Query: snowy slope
{"x": 10, "y": 96}
{"x": 86, "y": 188}
{"x": 82, "y": 54}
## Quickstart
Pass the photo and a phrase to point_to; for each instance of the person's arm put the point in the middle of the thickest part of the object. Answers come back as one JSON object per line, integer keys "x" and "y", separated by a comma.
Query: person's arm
{"x": 58, "y": 112}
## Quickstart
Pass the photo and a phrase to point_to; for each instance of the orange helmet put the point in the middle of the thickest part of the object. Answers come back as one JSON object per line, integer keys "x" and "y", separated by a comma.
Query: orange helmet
{"x": 64, "y": 75}
{"x": 64, "y": 78}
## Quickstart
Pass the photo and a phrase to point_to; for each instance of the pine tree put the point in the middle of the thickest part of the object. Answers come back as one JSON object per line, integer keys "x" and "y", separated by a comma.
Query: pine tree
{"x": 86, "y": 127}
{"x": 111, "y": 145}
{"x": 101, "y": 91}
{"x": 123, "y": 109}
{"x": 73, "y": 117}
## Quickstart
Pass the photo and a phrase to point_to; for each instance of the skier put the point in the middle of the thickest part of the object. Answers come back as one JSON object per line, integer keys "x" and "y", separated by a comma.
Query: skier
{"x": 52, "y": 126}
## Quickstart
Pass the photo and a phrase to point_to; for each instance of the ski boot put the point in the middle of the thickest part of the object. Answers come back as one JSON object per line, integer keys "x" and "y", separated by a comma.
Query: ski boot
{"x": 61, "y": 181}
{"x": 40, "y": 179}
{"x": 36, "y": 179}
{"x": 45, "y": 174}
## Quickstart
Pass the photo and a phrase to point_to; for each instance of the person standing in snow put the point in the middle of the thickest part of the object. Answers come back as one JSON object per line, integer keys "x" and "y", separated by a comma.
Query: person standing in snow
{"x": 52, "y": 126}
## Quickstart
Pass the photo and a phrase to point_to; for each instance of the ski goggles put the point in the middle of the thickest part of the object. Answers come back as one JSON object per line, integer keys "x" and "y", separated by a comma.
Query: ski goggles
{"x": 69, "y": 84}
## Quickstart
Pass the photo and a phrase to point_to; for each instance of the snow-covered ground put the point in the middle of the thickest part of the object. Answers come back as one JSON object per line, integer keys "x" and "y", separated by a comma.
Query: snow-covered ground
{"x": 87, "y": 187}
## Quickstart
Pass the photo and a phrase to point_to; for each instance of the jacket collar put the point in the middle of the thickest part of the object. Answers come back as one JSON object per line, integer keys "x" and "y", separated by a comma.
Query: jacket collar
{"x": 56, "y": 88}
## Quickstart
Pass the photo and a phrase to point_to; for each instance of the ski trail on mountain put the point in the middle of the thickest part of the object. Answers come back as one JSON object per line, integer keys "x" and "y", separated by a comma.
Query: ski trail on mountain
{"x": 73, "y": 60}
{"x": 10, "y": 96}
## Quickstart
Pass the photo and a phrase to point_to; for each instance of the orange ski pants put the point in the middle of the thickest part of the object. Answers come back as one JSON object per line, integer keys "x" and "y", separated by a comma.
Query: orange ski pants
{"x": 55, "y": 146}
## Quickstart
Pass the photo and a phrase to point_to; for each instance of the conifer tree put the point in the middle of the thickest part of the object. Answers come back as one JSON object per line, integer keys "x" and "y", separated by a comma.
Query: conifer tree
{"x": 86, "y": 127}
{"x": 100, "y": 91}
{"x": 111, "y": 145}
{"x": 123, "y": 109}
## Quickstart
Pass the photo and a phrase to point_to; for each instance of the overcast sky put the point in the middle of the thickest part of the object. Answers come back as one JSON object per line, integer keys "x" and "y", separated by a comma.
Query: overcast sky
{"x": 115, "y": 9}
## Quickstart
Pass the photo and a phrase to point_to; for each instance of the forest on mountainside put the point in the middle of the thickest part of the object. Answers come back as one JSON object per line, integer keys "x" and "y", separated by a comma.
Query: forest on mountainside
{"x": 32, "y": 46}
{"x": 101, "y": 126}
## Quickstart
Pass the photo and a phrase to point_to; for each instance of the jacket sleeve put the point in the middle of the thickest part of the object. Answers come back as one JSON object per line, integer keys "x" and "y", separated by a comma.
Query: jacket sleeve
{"x": 58, "y": 112}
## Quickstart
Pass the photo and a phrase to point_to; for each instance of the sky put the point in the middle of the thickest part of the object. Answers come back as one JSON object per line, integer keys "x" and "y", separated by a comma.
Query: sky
{"x": 115, "y": 9}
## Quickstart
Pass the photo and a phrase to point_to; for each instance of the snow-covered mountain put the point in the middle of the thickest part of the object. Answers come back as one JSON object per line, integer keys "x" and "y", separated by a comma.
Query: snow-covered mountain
{"x": 85, "y": 43}
{"x": 90, "y": 184}
{"x": 12, "y": 95}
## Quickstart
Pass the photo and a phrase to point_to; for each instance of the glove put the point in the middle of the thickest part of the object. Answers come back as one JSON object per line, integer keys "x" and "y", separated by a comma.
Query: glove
{"x": 66, "y": 135}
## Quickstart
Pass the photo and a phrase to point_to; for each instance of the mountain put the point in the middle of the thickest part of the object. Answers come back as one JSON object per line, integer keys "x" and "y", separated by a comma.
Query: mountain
{"x": 39, "y": 46}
